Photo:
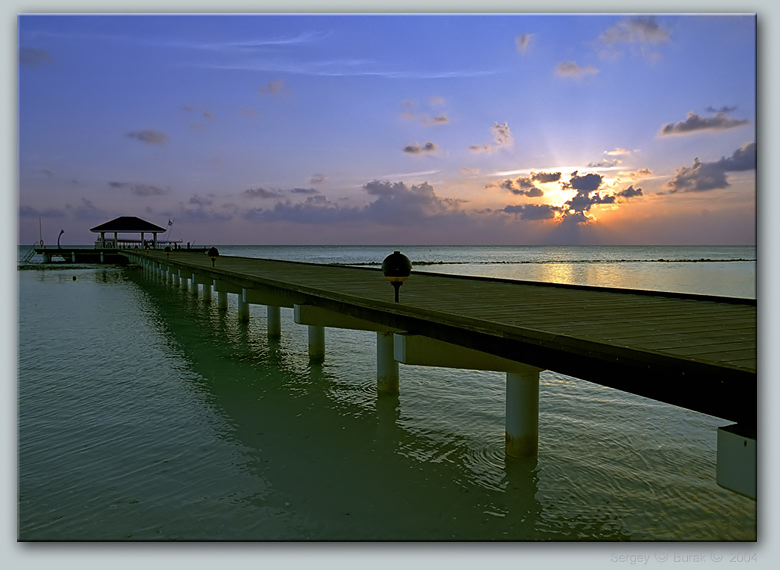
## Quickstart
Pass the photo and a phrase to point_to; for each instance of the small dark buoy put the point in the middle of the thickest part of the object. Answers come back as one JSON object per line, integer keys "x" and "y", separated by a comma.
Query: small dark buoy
{"x": 74, "y": 277}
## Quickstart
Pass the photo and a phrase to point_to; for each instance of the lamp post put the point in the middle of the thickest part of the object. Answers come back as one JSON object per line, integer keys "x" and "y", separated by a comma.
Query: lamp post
{"x": 213, "y": 254}
{"x": 396, "y": 268}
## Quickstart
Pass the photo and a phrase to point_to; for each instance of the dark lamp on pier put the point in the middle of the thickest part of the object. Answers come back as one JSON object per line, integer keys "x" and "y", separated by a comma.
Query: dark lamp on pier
{"x": 213, "y": 254}
{"x": 167, "y": 251}
{"x": 397, "y": 269}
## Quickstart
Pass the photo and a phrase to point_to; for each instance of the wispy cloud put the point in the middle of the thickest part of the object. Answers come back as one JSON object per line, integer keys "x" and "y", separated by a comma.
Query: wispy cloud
{"x": 32, "y": 57}
{"x": 502, "y": 137}
{"x": 345, "y": 68}
{"x": 148, "y": 136}
{"x": 572, "y": 69}
{"x": 242, "y": 45}
{"x": 523, "y": 41}
{"x": 139, "y": 189}
{"x": 260, "y": 192}
{"x": 639, "y": 34}
{"x": 272, "y": 88}
{"x": 636, "y": 30}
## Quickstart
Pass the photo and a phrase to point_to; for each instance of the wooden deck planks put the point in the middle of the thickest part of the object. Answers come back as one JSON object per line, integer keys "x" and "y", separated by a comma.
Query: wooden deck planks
{"x": 665, "y": 346}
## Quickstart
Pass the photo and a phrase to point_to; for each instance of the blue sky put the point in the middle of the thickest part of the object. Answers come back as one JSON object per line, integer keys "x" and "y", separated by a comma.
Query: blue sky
{"x": 527, "y": 129}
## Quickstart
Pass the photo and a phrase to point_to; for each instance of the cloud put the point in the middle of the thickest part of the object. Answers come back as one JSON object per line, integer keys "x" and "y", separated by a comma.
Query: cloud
{"x": 411, "y": 113}
{"x": 640, "y": 34}
{"x": 605, "y": 163}
{"x": 440, "y": 119}
{"x": 345, "y": 68}
{"x": 533, "y": 211}
{"x": 501, "y": 134}
{"x": 694, "y": 123}
{"x": 415, "y": 148}
{"x": 521, "y": 186}
{"x": 618, "y": 152}
{"x": 149, "y": 136}
{"x": 30, "y": 212}
{"x": 304, "y": 191}
{"x": 574, "y": 210}
{"x": 197, "y": 200}
{"x": 523, "y": 41}
{"x": 545, "y": 177}
{"x": 629, "y": 193}
{"x": 394, "y": 203}
{"x": 272, "y": 88}
{"x": 571, "y": 69}
{"x": 724, "y": 109}
{"x": 636, "y": 30}
{"x": 139, "y": 189}
{"x": 639, "y": 173}
{"x": 317, "y": 179}
{"x": 261, "y": 193}
{"x": 88, "y": 211}
{"x": 32, "y": 57}
{"x": 703, "y": 176}
{"x": 47, "y": 172}
{"x": 583, "y": 184}
{"x": 502, "y": 137}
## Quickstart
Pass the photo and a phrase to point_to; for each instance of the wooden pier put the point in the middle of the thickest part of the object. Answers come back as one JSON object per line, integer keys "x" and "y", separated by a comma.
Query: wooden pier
{"x": 693, "y": 351}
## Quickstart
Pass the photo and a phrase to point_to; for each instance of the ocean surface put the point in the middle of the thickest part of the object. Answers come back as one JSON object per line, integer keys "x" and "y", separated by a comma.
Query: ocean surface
{"x": 145, "y": 413}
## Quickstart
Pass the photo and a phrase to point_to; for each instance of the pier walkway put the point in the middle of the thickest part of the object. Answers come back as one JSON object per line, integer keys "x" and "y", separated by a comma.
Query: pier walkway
{"x": 693, "y": 351}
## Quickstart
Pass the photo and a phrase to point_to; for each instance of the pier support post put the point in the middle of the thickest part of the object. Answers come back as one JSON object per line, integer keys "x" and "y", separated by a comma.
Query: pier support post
{"x": 184, "y": 281}
{"x": 274, "y": 322}
{"x": 207, "y": 291}
{"x": 522, "y": 412}
{"x": 386, "y": 364}
{"x": 194, "y": 284}
{"x": 316, "y": 344}
{"x": 101, "y": 257}
{"x": 243, "y": 307}
{"x": 222, "y": 300}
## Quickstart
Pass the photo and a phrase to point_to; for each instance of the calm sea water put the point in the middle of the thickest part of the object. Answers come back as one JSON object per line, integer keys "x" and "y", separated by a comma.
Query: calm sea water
{"x": 146, "y": 414}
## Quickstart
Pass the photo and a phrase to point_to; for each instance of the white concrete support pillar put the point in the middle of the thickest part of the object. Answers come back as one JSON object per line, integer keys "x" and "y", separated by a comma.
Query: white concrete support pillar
{"x": 274, "y": 323}
{"x": 184, "y": 280}
{"x": 522, "y": 413}
{"x": 101, "y": 257}
{"x": 207, "y": 291}
{"x": 243, "y": 307}
{"x": 386, "y": 364}
{"x": 222, "y": 300}
{"x": 73, "y": 257}
{"x": 316, "y": 343}
{"x": 194, "y": 284}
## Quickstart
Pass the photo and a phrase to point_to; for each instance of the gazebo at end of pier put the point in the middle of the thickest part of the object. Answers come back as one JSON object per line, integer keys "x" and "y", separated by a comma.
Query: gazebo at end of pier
{"x": 126, "y": 225}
